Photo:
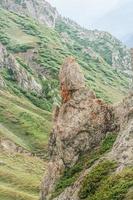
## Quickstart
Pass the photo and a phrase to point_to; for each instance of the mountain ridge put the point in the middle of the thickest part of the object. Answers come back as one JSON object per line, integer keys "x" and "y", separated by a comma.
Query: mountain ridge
{"x": 45, "y": 43}
{"x": 40, "y": 10}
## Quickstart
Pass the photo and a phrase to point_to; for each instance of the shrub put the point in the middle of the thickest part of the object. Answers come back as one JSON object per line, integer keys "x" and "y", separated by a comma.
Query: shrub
{"x": 21, "y": 62}
{"x": 93, "y": 180}
{"x": 85, "y": 161}
{"x": 115, "y": 187}
{"x": 19, "y": 48}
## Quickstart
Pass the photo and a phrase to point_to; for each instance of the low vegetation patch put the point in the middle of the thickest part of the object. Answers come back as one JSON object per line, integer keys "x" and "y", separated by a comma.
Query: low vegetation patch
{"x": 93, "y": 180}
{"x": 99, "y": 186}
{"x": 24, "y": 125}
{"x": 20, "y": 176}
{"x": 87, "y": 160}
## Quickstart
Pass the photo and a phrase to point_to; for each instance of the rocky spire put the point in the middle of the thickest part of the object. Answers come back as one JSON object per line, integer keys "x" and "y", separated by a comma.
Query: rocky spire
{"x": 80, "y": 123}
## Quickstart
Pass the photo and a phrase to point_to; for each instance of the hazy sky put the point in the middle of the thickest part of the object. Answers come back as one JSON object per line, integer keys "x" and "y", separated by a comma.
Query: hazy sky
{"x": 115, "y": 16}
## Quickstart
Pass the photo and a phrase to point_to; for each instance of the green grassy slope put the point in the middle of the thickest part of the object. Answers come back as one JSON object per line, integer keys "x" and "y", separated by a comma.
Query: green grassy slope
{"x": 22, "y": 35}
{"x": 27, "y": 127}
{"x": 23, "y": 123}
{"x": 20, "y": 176}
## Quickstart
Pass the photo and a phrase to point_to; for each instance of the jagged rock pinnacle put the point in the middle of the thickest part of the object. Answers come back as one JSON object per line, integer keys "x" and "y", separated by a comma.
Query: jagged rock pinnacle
{"x": 80, "y": 123}
{"x": 71, "y": 78}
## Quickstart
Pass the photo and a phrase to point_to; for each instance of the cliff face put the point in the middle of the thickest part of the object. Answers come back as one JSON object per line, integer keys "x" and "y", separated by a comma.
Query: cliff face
{"x": 40, "y": 10}
{"x": 80, "y": 124}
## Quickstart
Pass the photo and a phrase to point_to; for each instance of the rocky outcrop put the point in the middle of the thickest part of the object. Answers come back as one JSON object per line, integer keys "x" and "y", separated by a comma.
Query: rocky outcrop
{"x": 80, "y": 123}
{"x": 122, "y": 150}
{"x": 17, "y": 73}
{"x": 40, "y": 10}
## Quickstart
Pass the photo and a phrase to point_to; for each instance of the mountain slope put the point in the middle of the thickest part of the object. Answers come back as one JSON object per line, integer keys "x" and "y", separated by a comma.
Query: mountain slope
{"x": 96, "y": 43}
{"x": 40, "y": 51}
{"x": 20, "y": 176}
{"x": 34, "y": 41}
{"x": 24, "y": 132}
{"x": 40, "y": 10}
{"x": 24, "y": 124}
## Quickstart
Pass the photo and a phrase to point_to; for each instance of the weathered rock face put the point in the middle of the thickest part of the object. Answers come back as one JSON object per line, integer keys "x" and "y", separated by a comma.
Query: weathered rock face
{"x": 71, "y": 79}
{"x": 122, "y": 150}
{"x": 40, "y": 10}
{"x": 80, "y": 123}
{"x": 25, "y": 80}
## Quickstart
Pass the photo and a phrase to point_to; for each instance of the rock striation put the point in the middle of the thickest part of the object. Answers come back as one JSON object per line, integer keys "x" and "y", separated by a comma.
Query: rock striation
{"x": 80, "y": 123}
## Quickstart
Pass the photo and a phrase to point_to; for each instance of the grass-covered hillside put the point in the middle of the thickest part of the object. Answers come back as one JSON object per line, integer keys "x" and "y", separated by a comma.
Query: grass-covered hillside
{"x": 20, "y": 176}
{"x": 24, "y": 124}
{"x": 40, "y": 51}
{"x": 24, "y": 131}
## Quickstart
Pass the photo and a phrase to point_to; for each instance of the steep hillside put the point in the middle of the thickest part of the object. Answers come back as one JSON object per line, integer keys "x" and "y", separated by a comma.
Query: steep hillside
{"x": 23, "y": 124}
{"x": 20, "y": 176}
{"x": 39, "y": 52}
{"x": 34, "y": 41}
{"x": 40, "y": 10}
{"x": 24, "y": 132}
{"x": 95, "y": 44}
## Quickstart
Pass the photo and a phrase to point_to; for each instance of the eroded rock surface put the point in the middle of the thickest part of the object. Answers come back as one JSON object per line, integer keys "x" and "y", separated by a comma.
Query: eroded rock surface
{"x": 122, "y": 150}
{"x": 12, "y": 68}
{"x": 80, "y": 123}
